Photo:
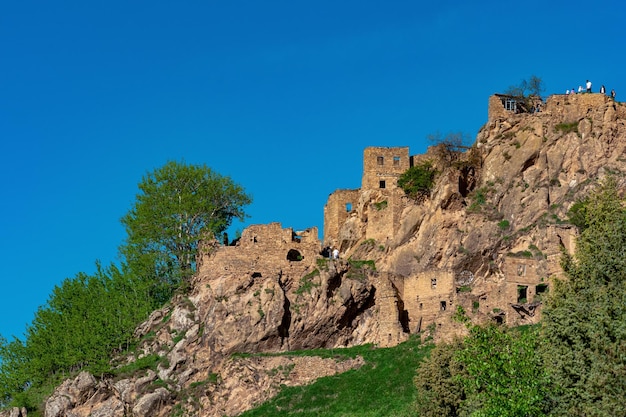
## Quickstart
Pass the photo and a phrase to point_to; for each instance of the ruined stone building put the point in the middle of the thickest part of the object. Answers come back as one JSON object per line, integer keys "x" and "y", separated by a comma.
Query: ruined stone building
{"x": 490, "y": 243}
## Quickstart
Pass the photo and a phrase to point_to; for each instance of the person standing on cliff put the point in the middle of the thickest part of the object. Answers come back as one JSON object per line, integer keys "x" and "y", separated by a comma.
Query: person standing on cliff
{"x": 602, "y": 89}
{"x": 613, "y": 94}
{"x": 588, "y": 86}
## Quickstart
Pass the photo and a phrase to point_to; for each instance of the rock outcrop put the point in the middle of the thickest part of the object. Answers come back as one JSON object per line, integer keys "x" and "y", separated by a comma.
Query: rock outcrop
{"x": 487, "y": 238}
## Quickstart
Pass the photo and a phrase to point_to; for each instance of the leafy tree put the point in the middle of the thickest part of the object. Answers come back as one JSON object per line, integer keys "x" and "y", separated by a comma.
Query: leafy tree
{"x": 417, "y": 180}
{"x": 584, "y": 321}
{"x": 438, "y": 382}
{"x": 494, "y": 371}
{"x": 12, "y": 365}
{"x": 85, "y": 320}
{"x": 504, "y": 375}
{"x": 178, "y": 205}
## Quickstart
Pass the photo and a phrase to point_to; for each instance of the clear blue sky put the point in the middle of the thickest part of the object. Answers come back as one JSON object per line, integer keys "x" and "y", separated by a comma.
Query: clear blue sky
{"x": 282, "y": 96}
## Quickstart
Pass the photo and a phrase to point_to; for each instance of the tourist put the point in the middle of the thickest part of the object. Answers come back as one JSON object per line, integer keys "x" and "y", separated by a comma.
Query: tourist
{"x": 602, "y": 89}
{"x": 588, "y": 86}
{"x": 335, "y": 253}
{"x": 613, "y": 94}
{"x": 580, "y": 89}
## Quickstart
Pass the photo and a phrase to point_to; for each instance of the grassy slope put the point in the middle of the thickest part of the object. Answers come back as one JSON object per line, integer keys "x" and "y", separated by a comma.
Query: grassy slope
{"x": 382, "y": 387}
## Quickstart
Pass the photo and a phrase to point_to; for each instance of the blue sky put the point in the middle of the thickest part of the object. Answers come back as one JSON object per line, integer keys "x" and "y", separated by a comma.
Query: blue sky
{"x": 281, "y": 96}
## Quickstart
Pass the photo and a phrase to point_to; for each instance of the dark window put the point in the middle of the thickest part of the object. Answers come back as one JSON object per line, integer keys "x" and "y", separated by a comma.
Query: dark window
{"x": 294, "y": 255}
{"x": 442, "y": 305}
{"x": 522, "y": 294}
{"x": 541, "y": 289}
{"x": 380, "y": 160}
{"x": 433, "y": 283}
{"x": 381, "y": 184}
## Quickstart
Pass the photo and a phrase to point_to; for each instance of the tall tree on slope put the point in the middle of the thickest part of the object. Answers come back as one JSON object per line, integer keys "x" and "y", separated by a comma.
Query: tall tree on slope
{"x": 177, "y": 206}
{"x": 584, "y": 321}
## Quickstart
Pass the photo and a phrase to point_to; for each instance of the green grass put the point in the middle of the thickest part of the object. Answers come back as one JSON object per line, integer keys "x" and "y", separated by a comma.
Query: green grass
{"x": 383, "y": 386}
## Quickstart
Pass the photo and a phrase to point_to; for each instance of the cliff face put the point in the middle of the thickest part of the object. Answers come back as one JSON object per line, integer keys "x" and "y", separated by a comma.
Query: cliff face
{"x": 488, "y": 238}
{"x": 490, "y": 235}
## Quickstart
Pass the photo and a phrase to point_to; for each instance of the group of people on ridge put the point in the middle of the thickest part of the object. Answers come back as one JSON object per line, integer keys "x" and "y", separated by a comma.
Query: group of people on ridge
{"x": 588, "y": 90}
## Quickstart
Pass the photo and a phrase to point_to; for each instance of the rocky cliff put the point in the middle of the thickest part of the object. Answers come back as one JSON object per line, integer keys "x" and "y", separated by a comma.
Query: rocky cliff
{"x": 487, "y": 238}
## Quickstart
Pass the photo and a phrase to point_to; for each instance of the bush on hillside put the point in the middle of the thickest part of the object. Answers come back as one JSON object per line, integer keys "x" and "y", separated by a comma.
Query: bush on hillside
{"x": 418, "y": 180}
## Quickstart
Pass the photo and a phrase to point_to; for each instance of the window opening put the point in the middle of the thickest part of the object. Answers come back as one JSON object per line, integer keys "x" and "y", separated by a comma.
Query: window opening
{"x": 442, "y": 305}
{"x": 510, "y": 104}
{"x": 522, "y": 294}
{"x": 381, "y": 184}
{"x": 380, "y": 160}
{"x": 540, "y": 290}
{"x": 396, "y": 161}
{"x": 348, "y": 207}
{"x": 433, "y": 283}
{"x": 294, "y": 255}
{"x": 521, "y": 270}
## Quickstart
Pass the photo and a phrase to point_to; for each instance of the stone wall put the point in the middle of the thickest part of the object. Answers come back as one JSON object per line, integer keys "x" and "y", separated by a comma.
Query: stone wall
{"x": 383, "y": 216}
{"x": 496, "y": 109}
{"x": 572, "y": 106}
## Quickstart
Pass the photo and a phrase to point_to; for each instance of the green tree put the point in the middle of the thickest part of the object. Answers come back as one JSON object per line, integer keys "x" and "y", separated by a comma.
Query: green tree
{"x": 177, "y": 206}
{"x": 494, "y": 371}
{"x": 584, "y": 321}
{"x": 418, "y": 180}
{"x": 85, "y": 320}
{"x": 12, "y": 366}
{"x": 504, "y": 375}
{"x": 438, "y": 382}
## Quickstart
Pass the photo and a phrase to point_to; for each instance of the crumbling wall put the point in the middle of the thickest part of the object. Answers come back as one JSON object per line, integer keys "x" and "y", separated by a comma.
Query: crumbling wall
{"x": 266, "y": 250}
{"x": 496, "y": 109}
{"x": 337, "y": 209}
{"x": 383, "y": 216}
{"x": 428, "y": 298}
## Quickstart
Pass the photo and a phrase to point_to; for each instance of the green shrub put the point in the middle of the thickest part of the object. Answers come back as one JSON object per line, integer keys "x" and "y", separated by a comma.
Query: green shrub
{"x": 566, "y": 127}
{"x": 417, "y": 180}
{"x": 306, "y": 282}
{"x": 380, "y": 205}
